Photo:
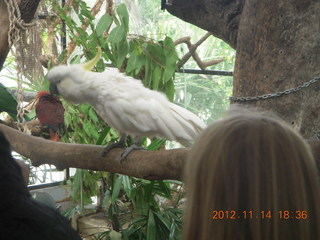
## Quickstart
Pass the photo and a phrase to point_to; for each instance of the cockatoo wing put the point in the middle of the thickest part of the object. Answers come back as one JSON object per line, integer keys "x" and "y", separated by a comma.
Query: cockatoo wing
{"x": 129, "y": 107}
{"x": 125, "y": 104}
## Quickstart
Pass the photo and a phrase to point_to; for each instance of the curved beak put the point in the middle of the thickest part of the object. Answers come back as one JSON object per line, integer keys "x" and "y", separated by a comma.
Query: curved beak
{"x": 53, "y": 89}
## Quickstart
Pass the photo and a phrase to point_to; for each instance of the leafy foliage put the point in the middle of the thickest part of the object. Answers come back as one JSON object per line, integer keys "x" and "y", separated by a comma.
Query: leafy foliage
{"x": 7, "y": 102}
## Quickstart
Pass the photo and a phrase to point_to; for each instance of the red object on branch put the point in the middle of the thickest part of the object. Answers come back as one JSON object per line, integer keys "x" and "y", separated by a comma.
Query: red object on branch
{"x": 50, "y": 112}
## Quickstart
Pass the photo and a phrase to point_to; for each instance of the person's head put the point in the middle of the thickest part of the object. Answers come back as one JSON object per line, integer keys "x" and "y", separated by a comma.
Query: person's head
{"x": 244, "y": 166}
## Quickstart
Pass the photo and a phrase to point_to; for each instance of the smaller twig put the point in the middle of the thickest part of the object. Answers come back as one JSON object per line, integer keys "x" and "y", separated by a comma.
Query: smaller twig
{"x": 192, "y": 52}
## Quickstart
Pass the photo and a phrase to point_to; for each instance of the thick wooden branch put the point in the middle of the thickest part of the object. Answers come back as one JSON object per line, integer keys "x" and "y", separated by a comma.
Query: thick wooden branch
{"x": 152, "y": 165}
{"x": 221, "y": 18}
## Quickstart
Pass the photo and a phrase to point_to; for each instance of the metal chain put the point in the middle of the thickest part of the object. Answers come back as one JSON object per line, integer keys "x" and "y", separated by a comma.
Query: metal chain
{"x": 277, "y": 94}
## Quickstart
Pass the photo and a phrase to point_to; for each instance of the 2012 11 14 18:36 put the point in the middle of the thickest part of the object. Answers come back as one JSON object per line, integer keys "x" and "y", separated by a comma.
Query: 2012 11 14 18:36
{"x": 249, "y": 214}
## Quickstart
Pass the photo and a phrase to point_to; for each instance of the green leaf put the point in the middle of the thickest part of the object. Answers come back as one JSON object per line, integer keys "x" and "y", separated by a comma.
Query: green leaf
{"x": 148, "y": 73}
{"x": 122, "y": 53}
{"x": 115, "y": 235}
{"x": 62, "y": 56}
{"x": 76, "y": 59}
{"x": 87, "y": 13}
{"x": 155, "y": 53}
{"x": 171, "y": 58}
{"x": 106, "y": 200}
{"x": 173, "y": 229}
{"x": 115, "y": 19}
{"x": 86, "y": 128}
{"x": 164, "y": 189}
{"x": 8, "y": 103}
{"x": 156, "y": 77}
{"x": 117, "y": 34}
{"x": 83, "y": 34}
{"x": 93, "y": 115}
{"x": 163, "y": 220}
{"x": 169, "y": 71}
{"x": 169, "y": 90}
{"x": 93, "y": 131}
{"x": 103, "y": 24}
{"x": 151, "y": 226}
{"x": 133, "y": 45}
{"x": 116, "y": 189}
{"x": 103, "y": 135}
{"x": 135, "y": 63}
{"x": 148, "y": 191}
{"x": 78, "y": 184}
{"x": 156, "y": 144}
{"x": 124, "y": 16}
{"x": 127, "y": 185}
{"x": 32, "y": 114}
{"x": 106, "y": 53}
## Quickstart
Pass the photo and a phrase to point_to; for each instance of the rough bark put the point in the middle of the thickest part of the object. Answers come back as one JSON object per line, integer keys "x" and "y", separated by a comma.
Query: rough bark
{"x": 152, "y": 165}
{"x": 220, "y": 17}
{"x": 27, "y": 9}
{"x": 278, "y": 48}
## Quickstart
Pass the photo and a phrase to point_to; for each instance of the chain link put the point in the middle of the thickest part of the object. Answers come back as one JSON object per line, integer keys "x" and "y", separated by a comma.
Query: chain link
{"x": 277, "y": 94}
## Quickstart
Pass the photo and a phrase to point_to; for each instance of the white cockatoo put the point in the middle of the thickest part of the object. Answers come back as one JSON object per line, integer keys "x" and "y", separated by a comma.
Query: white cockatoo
{"x": 125, "y": 104}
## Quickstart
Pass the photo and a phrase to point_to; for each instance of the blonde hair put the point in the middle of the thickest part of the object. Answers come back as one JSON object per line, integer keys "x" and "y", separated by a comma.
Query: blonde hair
{"x": 248, "y": 165}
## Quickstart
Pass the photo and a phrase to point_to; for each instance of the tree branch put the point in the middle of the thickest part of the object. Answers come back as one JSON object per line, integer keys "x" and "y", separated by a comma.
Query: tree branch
{"x": 152, "y": 165}
{"x": 192, "y": 52}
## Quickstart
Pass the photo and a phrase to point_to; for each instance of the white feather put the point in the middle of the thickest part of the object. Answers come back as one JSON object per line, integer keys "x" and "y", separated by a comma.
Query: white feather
{"x": 126, "y": 105}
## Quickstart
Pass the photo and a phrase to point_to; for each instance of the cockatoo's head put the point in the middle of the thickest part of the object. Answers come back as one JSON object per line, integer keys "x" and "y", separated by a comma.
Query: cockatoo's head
{"x": 69, "y": 81}
{"x": 66, "y": 81}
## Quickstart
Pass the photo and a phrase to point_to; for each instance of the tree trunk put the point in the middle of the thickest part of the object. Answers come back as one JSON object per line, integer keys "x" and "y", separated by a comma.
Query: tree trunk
{"x": 27, "y": 9}
{"x": 4, "y": 28}
{"x": 220, "y": 17}
{"x": 278, "y": 48}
